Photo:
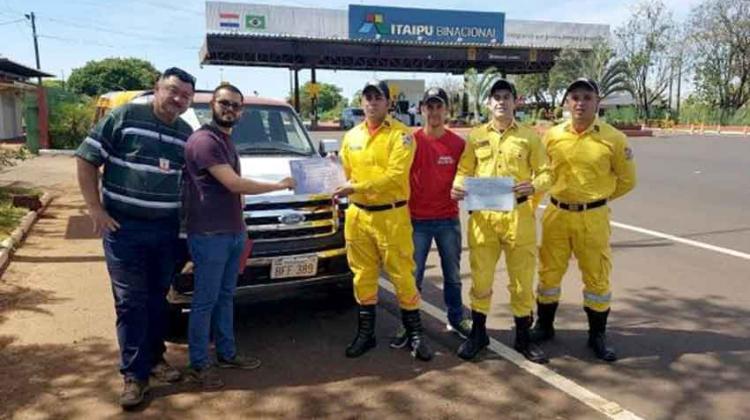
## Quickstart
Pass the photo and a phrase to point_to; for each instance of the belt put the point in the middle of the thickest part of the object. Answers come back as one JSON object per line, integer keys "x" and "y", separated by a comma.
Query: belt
{"x": 381, "y": 207}
{"x": 578, "y": 207}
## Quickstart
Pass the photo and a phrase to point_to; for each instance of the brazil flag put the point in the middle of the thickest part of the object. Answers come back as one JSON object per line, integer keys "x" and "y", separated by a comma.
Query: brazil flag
{"x": 255, "y": 22}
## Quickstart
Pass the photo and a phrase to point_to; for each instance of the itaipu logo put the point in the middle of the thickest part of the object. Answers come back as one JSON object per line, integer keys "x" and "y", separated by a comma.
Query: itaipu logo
{"x": 374, "y": 21}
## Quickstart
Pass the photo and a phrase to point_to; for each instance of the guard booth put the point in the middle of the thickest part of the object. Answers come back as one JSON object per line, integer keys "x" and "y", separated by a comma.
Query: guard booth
{"x": 375, "y": 38}
{"x": 15, "y": 90}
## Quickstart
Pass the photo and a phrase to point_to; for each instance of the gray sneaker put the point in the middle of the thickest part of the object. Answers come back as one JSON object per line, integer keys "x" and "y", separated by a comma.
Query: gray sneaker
{"x": 400, "y": 340}
{"x": 462, "y": 329}
{"x": 164, "y": 372}
{"x": 133, "y": 393}
{"x": 239, "y": 362}
{"x": 207, "y": 377}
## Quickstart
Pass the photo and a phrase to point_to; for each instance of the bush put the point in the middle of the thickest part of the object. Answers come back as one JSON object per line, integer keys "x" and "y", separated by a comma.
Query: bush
{"x": 70, "y": 117}
{"x": 693, "y": 112}
{"x": 623, "y": 116}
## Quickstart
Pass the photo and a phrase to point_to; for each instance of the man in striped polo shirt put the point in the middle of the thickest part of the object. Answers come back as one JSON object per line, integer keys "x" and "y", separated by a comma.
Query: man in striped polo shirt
{"x": 141, "y": 148}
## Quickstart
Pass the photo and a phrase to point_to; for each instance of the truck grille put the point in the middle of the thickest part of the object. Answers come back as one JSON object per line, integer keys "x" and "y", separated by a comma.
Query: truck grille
{"x": 283, "y": 217}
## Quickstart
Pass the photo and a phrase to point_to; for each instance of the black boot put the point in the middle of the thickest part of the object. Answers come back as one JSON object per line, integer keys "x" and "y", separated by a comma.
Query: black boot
{"x": 597, "y": 336}
{"x": 523, "y": 342}
{"x": 365, "y": 339}
{"x": 544, "y": 328}
{"x": 413, "y": 325}
{"x": 477, "y": 340}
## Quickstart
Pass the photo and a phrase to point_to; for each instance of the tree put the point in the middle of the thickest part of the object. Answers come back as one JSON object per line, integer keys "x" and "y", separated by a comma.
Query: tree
{"x": 533, "y": 86}
{"x": 644, "y": 43}
{"x": 356, "y": 99}
{"x": 600, "y": 64}
{"x": 329, "y": 98}
{"x": 720, "y": 40}
{"x": 98, "y": 77}
{"x": 478, "y": 86}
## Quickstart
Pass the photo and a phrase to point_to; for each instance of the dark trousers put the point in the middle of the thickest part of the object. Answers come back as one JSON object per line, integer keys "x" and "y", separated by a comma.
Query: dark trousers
{"x": 141, "y": 262}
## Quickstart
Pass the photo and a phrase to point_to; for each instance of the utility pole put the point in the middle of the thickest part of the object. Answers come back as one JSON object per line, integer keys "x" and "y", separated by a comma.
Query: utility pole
{"x": 41, "y": 95}
{"x": 32, "y": 18}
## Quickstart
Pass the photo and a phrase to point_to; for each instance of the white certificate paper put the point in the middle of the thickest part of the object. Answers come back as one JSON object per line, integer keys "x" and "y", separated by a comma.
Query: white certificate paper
{"x": 317, "y": 175}
{"x": 490, "y": 193}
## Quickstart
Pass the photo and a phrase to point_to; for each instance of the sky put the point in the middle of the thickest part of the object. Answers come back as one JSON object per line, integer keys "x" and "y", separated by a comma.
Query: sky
{"x": 170, "y": 33}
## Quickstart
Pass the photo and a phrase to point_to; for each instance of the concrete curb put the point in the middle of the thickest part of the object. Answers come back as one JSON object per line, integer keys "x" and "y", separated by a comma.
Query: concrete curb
{"x": 9, "y": 245}
{"x": 56, "y": 152}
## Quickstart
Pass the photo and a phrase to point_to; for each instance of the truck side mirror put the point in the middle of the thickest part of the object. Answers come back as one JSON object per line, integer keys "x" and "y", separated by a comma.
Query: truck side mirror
{"x": 328, "y": 146}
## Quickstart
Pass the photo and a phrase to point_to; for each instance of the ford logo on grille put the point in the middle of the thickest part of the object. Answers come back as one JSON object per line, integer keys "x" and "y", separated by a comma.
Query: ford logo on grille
{"x": 292, "y": 218}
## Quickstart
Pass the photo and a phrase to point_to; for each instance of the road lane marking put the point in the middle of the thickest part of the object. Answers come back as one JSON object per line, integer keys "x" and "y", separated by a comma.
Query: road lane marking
{"x": 690, "y": 242}
{"x": 681, "y": 240}
{"x": 609, "y": 408}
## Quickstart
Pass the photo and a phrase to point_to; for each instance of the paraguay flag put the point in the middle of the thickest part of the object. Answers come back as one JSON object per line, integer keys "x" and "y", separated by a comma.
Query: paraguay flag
{"x": 229, "y": 20}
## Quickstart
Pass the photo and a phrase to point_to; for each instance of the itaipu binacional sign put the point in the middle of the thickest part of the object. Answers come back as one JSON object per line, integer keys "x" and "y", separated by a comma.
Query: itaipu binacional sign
{"x": 425, "y": 25}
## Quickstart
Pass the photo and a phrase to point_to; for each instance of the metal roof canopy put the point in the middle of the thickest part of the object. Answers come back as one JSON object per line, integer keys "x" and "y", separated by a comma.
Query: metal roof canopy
{"x": 18, "y": 71}
{"x": 346, "y": 54}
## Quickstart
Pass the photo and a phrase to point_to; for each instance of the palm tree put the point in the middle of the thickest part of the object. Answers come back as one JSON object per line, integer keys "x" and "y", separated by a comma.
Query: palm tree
{"x": 478, "y": 86}
{"x": 599, "y": 64}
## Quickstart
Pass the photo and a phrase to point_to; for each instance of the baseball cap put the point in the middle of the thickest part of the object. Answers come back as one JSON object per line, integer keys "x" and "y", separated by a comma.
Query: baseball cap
{"x": 378, "y": 85}
{"x": 435, "y": 93}
{"x": 502, "y": 84}
{"x": 584, "y": 83}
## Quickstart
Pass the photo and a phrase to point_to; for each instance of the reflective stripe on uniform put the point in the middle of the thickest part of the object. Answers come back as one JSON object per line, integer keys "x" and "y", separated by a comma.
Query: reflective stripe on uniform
{"x": 592, "y": 297}
{"x": 555, "y": 291}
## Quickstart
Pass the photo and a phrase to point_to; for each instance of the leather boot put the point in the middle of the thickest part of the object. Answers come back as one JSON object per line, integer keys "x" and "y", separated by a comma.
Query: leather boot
{"x": 413, "y": 325}
{"x": 477, "y": 340}
{"x": 523, "y": 342}
{"x": 544, "y": 328}
{"x": 365, "y": 338}
{"x": 597, "y": 336}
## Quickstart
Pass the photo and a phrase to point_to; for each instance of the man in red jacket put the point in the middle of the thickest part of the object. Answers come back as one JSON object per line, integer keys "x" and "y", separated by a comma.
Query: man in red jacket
{"x": 434, "y": 214}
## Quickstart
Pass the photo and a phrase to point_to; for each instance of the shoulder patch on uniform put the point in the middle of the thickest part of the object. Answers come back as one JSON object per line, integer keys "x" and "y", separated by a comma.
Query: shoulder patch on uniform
{"x": 407, "y": 139}
{"x": 628, "y": 153}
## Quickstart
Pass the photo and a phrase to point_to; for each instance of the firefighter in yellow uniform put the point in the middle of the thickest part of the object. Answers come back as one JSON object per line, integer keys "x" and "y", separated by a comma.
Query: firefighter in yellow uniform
{"x": 376, "y": 156}
{"x": 591, "y": 164}
{"x": 503, "y": 148}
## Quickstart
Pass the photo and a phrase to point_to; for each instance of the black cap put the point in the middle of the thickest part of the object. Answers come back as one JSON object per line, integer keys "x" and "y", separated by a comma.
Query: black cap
{"x": 435, "y": 93}
{"x": 378, "y": 85}
{"x": 502, "y": 84}
{"x": 584, "y": 83}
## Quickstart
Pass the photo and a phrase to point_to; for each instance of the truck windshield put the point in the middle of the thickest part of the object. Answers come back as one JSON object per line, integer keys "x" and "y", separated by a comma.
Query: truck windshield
{"x": 263, "y": 129}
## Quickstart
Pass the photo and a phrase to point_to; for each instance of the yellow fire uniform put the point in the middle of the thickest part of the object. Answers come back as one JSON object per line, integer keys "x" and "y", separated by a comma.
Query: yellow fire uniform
{"x": 378, "y": 167}
{"x": 518, "y": 153}
{"x": 586, "y": 168}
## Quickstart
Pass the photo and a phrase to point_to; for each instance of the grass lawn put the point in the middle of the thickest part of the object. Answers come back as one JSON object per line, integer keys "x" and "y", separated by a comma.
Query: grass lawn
{"x": 11, "y": 216}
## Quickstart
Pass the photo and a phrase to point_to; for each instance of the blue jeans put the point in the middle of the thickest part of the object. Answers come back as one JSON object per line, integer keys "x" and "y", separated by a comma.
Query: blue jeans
{"x": 447, "y": 235}
{"x": 140, "y": 259}
{"x": 216, "y": 258}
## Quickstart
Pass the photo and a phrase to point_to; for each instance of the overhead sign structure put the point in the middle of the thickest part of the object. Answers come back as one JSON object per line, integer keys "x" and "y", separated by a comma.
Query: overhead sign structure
{"x": 425, "y": 25}
{"x": 396, "y": 24}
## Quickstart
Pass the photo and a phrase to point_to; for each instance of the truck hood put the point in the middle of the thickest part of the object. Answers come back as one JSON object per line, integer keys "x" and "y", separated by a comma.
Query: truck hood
{"x": 268, "y": 169}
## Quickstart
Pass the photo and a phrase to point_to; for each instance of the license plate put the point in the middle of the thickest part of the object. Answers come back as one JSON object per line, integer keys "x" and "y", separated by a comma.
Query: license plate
{"x": 294, "y": 267}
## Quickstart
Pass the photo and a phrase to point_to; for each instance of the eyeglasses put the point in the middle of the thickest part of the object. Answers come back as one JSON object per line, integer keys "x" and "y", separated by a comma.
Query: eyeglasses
{"x": 180, "y": 74}
{"x": 229, "y": 104}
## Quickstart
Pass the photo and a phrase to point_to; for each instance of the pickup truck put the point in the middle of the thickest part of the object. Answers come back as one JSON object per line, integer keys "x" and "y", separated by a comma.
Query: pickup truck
{"x": 298, "y": 240}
